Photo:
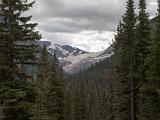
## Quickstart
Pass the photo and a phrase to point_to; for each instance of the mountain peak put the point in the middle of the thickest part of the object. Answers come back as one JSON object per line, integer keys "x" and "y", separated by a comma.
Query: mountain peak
{"x": 74, "y": 59}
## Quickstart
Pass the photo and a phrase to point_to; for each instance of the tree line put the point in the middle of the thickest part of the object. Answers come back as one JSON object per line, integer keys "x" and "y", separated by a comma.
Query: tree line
{"x": 135, "y": 68}
{"x": 22, "y": 97}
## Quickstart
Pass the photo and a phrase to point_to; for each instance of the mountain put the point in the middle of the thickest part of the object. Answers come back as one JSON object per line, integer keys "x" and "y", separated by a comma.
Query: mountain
{"x": 74, "y": 59}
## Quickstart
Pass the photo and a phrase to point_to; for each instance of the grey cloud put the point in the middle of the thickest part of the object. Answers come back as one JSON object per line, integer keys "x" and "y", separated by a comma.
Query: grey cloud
{"x": 59, "y": 18}
{"x": 81, "y": 14}
{"x": 98, "y": 16}
{"x": 77, "y": 25}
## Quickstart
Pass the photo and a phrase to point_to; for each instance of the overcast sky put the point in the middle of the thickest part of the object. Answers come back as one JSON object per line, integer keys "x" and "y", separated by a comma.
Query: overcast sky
{"x": 87, "y": 24}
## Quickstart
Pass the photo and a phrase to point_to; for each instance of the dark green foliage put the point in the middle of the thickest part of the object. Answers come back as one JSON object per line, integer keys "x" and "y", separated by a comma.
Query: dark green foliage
{"x": 80, "y": 101}
{"x": 56, "y": 95}
{"x": 19, "y": 96}
{"x": 95, "y": 74}
{"x": 141, "y": 51}
{"x": 109, "y": 94}
{"x": 123, "y": 71}
{"x": 69, "y": 113}
{"x": 51, "y": 90}
{"x": 150, "y": 105}
{"x": 17, "y": 48}
{"x": 136, "y": 67}
{"x": 88, "y": 88}
{"x": 42, "y": 79}
{"x": 153, "y": 58}
{"x": 142, "y": 42}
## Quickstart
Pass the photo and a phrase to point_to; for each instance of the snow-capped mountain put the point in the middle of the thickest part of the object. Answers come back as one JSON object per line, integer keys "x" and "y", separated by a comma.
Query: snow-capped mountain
{"x": 74, "y": 59}
{"x": 63, "y": 51}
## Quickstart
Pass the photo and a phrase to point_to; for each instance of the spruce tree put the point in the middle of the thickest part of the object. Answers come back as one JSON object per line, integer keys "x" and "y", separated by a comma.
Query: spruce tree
{"x": 80, "y": 101}
{"x": 150, "y": 97}
{"x": 41, "y": 83}
{"x": 56, "y": 94}
{"x": 69, "y": 105}
{"x": 142, "y": 37}
{"x": 142, "y": 41}
{"x": 17, "y": 47}
{"x": 141, "y": 50}
{"x": 103, "y": 105}
{"x": 124, "y": 103}
{"x": 118, "y": 86}
{"x": 109, "y": 104}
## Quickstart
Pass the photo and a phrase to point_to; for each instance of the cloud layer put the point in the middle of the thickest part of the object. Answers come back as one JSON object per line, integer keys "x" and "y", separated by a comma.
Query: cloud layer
{"x": 88, "y": 24}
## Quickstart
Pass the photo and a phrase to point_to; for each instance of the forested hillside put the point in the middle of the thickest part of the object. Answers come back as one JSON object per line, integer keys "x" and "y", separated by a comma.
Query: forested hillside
{"x": 96, "y": 73}
{"x": 87, "y": 93}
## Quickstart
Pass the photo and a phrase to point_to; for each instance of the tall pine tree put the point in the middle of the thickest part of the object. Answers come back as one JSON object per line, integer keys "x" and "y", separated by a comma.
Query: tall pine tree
{"x": 150, "y": 105}
{"x": 124, "y": 103}
{"x": 80, "y": 101}
{"x": 109, "y": 104}
{"x": 142, "y": 41}
{"x": 56, "y": 94}
{"x": 141, "y": 50}
{"x": 41, "y": 83}
{"x": 17, "y": 46}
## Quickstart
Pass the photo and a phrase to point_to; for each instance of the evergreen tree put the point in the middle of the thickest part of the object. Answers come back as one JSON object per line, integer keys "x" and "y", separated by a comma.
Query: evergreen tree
{"x": 142, "y": 39}
{"x": 118, "y": 84}
{"x": 150, "y": 97}
{"x": 124, "y": 84}
{"x": 42, "y": 89}
{"x": 56, "y": 94}
{"x": 80, "y": 101}
{"x": 69, "y": 105}
{"x": 17, "y": 46}
{"x": 141, "y": 51}
{"x": 109, "y": 104}
{"x": 103, "y": 105}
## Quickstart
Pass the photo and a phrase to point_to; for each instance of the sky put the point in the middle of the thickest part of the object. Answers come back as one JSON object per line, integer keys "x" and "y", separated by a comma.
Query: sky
{"x": 87, "y": 24}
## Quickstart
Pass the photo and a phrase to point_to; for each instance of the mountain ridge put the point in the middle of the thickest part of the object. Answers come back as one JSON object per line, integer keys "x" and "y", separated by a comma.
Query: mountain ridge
{"x": 74, "y": 59}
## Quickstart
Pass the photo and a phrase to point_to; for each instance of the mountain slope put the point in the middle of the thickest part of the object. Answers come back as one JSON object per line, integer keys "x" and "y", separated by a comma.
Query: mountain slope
{"x": 74, "y": 59}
